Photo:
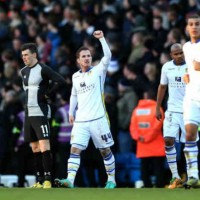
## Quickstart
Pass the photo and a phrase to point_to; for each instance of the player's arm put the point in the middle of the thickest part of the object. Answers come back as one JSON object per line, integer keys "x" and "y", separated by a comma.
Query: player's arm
{"x": 186, "y": 77}
{"x": 156, "y": 127}
{"x": 161, "y": 92}
{"x": 21, "y": 74}
{"x": 56, "y": 78}
{"x": 160, "y": 96}
{"x": 196, "y": 65}
{"x": 52, "y": 75}
{"x": 106, "y": 50}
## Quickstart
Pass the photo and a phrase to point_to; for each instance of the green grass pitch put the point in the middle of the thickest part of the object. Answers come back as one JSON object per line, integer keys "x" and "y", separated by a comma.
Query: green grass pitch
{"x": 98, "y": 194}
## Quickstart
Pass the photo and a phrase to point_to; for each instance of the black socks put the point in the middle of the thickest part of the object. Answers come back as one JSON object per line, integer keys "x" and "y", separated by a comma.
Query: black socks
{"x": 39, "y": 167}
{"x": 47, "y": 163}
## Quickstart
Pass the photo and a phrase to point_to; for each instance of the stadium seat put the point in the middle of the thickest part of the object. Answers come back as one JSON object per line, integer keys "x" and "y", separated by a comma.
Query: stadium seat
{"x": 9, "y": 180}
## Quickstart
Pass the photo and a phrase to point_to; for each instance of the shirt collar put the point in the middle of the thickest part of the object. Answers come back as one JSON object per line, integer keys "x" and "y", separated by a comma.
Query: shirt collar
{"x": 183, "y": 63}
{"x": 196, "y": 41}
{"x": 86, "y": 70}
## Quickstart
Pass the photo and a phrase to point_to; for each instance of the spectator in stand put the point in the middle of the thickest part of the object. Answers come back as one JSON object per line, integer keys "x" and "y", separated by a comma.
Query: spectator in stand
{"x": 137, "y": 41}
{"x": 126, "y": 102}
{"x": 138, "y": 81}
{"x": 158, "y": 32}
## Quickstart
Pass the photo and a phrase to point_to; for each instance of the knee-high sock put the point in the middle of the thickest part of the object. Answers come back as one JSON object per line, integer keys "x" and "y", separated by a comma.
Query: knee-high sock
{"x": 47, "y": 163}
{"x": 73, "y": 166}
{"x": 109, "y": 162}
{"x": 171, "y": 160}
{"x": 191, "y": 154}
{"x": 39, "y": 167}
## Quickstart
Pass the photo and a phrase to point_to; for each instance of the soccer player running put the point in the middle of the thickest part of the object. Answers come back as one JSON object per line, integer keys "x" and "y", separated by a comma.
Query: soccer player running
{"x": 36, "y": 78}
{"x": 90, "y": 118}
{"x": 191, "y": 103}
{"x": 172, "y": 77}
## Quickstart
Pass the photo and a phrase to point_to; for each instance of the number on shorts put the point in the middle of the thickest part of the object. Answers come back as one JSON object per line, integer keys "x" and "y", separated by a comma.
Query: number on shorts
{"x": 44, "y": 130}
{"x": 106, "y": 136}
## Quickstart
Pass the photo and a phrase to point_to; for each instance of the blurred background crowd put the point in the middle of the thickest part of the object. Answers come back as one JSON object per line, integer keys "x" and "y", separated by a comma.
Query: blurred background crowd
{"x": 139, "y": 33}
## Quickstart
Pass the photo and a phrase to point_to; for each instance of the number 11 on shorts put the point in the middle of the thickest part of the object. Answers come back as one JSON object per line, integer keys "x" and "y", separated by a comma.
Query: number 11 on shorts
{"x": 44, "y": 130}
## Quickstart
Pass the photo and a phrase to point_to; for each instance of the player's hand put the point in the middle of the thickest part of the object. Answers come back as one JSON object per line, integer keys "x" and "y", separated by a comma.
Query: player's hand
{"x": 158, "y": 114}
{"x": 71, "y": 119}
{"x": 98, "y": 34}
{"x": 186, "y": 78}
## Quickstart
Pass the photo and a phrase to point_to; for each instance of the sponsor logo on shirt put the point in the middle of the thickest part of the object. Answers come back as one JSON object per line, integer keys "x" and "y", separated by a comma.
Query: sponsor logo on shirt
{"x": 85, "y": 88}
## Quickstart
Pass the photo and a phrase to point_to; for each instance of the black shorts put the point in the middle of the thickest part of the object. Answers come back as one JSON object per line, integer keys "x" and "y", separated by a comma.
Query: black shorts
{"x": 36, "y": 128}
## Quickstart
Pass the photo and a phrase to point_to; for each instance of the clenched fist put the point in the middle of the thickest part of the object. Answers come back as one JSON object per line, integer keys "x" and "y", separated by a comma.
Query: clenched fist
{"x": 98, "y": 34}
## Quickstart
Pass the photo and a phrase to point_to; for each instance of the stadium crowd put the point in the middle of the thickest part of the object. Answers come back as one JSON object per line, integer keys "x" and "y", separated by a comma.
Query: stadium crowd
{"x": 139, "y": 33}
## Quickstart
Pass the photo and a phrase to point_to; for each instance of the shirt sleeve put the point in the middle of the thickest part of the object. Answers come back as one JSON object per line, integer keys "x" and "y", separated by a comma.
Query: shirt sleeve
{"x": 73, "y": 104}
{"x": 103, "y": 65}
{"x": 58, "y": 81}
{"x": 21, "y": 75}
{"x": 163, "y": 79}
{"x": 106, "y": 51}
{"x": 52, "y": 75}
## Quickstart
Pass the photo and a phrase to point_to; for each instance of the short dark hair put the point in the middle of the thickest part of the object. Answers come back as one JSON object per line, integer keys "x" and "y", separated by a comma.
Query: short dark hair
{"x": 81, "y": 49}
{"x": 195, "y": 16}
{"x": 32, "y": 47}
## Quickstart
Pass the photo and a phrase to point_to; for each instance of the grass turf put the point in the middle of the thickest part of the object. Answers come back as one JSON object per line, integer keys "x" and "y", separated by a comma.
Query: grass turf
{"x": 98, "y": 194}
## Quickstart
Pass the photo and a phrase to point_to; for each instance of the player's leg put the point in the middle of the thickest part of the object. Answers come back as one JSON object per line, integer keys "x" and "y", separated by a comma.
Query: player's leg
{"x": 171, "y": 129}
{"x": 102, "y": 138}
{"x": 79, "y": 141}
{"x": 109, "y": 163}
{"x": 171, "y": 156}
{"x": 42, "y": 129}
{"x": 191, "y": 154}
{"x": 191, "y": 120}
{"x": 31, "y": 137}
{"x": 38, "y": 165}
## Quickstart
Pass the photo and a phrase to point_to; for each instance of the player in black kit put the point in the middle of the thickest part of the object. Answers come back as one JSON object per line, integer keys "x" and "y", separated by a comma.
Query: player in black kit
{"x": 36, "y": 78}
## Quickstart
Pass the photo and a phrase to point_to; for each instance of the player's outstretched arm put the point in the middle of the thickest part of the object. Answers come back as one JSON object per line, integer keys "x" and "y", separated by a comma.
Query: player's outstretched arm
{"x": 106, "y": 50}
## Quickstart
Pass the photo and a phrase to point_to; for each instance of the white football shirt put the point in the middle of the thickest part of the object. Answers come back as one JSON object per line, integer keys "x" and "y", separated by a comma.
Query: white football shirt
{"x": 88, "y": 88}
{"x": 192, "y": 52}
{"x": 172, "y": 75}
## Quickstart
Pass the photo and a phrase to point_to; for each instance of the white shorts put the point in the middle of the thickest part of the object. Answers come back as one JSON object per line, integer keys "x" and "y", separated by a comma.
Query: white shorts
{"x": 191, "y": 110}
{"x": 98, "y": 130}
{"x": 174, "y": 126}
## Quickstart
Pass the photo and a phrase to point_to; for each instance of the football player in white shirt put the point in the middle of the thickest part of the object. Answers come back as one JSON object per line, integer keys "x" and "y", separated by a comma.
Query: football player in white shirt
{"x": 88, "y": 115}
{"x": 172, "y": 77}
{"x": 191, "y": 103}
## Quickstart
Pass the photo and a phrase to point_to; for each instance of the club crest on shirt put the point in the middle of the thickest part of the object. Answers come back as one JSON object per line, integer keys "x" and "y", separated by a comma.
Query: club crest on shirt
{"x": 178, "y": 79}
{"x": 82, "y": 84}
